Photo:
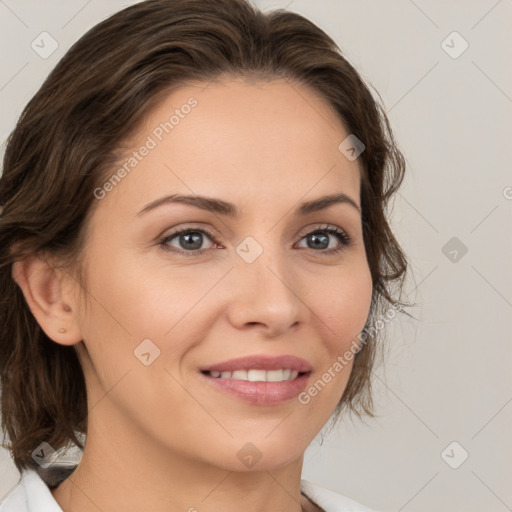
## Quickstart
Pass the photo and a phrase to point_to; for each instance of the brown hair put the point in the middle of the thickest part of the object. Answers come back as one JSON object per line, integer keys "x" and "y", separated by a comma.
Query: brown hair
{"x": 67, "y": 139}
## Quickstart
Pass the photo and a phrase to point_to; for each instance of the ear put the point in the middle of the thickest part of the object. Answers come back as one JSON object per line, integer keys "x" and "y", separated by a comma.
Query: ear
{"x": 48, "y": 292}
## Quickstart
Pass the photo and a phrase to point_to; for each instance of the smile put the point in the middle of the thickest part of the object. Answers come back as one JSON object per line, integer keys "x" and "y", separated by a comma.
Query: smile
{"x": 257, "y": 375}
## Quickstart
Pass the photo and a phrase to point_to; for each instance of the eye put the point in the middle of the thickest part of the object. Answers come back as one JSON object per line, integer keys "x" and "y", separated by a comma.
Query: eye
{"x": 189, "y": 240}
{"x": 319, "y": 239}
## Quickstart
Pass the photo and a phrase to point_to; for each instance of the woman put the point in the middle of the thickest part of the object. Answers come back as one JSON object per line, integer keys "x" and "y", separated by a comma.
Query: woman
{"x": 194, "y": 248}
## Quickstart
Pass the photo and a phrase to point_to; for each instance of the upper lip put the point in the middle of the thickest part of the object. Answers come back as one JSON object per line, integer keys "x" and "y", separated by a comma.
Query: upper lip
{"x": 261, "y": 362}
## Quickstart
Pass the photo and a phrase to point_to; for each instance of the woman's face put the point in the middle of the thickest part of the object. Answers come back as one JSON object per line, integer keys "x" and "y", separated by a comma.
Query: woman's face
{"x": 164, "y": 308}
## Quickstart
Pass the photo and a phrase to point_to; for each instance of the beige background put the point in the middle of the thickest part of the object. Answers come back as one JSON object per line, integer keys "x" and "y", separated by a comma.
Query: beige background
{"x": 447, "y": 376}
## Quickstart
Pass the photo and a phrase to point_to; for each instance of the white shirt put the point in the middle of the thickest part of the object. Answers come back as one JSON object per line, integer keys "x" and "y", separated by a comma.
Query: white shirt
{"x": 32, "y": 494}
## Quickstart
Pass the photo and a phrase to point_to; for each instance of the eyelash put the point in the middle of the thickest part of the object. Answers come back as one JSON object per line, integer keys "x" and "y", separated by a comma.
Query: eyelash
{"x": 344, "y": 239}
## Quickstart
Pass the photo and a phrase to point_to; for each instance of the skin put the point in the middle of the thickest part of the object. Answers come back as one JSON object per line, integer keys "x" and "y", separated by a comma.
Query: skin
{"x": 160, "y": 438}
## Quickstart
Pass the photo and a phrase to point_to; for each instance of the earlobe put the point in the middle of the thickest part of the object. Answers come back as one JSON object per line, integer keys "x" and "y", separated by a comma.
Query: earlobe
{"x": 53, "y": 309}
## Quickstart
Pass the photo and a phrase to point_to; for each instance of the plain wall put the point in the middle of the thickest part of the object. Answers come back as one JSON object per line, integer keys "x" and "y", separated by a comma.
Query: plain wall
{"x": 447, "y": 374}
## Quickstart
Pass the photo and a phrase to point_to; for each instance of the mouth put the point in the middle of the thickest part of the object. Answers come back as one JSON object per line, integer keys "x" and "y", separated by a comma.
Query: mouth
{"x": 255, "y": 375}
{"x": 260, "y": 379}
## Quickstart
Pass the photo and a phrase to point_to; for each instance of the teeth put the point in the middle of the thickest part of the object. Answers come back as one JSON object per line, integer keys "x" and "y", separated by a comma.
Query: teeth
{"x": 258, "y": 375}
{"x": 239, "y": 374}
{"x": 275, "y": 376}
{"x": 255, "y": 375}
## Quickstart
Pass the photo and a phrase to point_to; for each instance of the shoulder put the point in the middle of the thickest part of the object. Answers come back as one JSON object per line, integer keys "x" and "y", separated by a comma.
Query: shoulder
{"x": 31, "y": 494}
{"x": 331, "y": 501}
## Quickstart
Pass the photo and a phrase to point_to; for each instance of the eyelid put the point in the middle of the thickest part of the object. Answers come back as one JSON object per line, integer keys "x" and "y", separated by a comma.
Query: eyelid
{"x": 324, "y": 227}
{"x": 189, "y": 226}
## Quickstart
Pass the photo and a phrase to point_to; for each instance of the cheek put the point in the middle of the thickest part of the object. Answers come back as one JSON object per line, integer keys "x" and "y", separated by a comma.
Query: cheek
{"x": 131, "y": 303}
{"x": 140, "y": 301}
{"x": 344, "y": 311}
{"x": 345, "y": 304}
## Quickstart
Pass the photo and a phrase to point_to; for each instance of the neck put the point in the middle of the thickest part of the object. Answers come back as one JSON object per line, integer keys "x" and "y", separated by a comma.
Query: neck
{"x": 121, "y": 471}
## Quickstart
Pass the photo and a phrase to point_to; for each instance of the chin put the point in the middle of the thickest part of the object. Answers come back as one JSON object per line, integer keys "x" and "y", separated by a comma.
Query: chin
{"x": 259, "y": 455}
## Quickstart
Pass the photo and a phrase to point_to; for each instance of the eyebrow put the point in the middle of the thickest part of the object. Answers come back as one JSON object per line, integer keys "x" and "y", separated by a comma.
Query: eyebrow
{"x": 224, "y": 208}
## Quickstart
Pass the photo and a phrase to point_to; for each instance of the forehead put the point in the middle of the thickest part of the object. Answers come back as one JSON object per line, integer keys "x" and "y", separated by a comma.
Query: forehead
{"x": 253, "y": 139}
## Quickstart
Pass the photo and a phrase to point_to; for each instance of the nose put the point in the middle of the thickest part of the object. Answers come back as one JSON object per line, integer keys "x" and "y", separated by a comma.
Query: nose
{"x": 265, "y": 295}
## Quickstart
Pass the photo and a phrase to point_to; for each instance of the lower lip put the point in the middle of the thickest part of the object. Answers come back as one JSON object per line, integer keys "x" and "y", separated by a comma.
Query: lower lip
{"x": 264, "y": 393}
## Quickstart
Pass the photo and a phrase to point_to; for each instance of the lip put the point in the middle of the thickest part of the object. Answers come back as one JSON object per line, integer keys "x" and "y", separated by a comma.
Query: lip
{"x": 261, "y": 393}
{"x": 261, "y": 362}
